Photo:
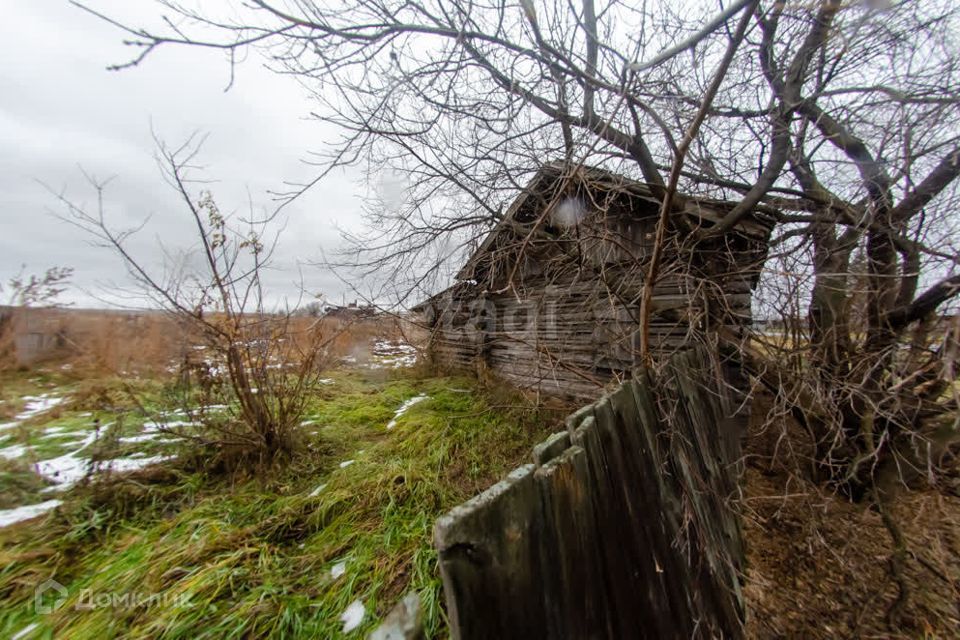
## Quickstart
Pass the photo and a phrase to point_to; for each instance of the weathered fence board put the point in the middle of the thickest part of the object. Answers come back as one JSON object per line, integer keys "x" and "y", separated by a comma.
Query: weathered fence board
{"x": 491, "y": 556}
{"x": 620, "y": 529}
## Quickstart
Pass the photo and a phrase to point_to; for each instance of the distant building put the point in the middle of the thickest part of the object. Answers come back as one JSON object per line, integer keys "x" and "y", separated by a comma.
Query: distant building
{"x": 350, "y": 311}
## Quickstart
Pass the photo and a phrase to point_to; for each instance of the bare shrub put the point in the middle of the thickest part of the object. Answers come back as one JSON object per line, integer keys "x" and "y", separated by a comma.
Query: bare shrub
{"x": 253, "y": 370}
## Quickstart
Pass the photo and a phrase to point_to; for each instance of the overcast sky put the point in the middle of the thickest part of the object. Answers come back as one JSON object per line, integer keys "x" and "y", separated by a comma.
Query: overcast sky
{"x": 60, "y": 110}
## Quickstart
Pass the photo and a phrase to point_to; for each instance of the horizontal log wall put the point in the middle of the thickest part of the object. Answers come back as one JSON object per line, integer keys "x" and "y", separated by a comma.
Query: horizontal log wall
{"x": 619, "y": 528}
{"x": 573, "y": 335}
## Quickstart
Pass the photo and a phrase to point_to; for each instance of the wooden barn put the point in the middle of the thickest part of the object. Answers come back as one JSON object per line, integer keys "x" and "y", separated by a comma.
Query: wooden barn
{"x": 550, "y": 299}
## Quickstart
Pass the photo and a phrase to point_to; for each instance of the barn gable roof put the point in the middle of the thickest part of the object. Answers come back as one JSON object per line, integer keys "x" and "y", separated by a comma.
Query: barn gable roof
{"x": 554, "y": 179}
{"x": 551, "y": 179}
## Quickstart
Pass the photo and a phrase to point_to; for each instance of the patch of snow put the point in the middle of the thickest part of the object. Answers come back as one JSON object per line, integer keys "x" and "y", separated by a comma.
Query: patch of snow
{"x": 338, "y": 570}
{"x": 405, "y": 407}
{"x": 158, "y": 427}
{"x": 387, "y": 347}
{"x": 394, "y": 354}
{"x": 38, "y": 404}
{"x": 68, "y": 469}
{"x": 19, "y": 514}
{"x": 13, "y": 452}
{"x": 64, "y": 471}
{"x": 33, "y": 405}
{"x": 152, "y": 430}
{"x": 307, "y": 423}
{"x": 64, "y": 434}
{"x": 74, "y": 443}
{"x": 346, "y": 463}
{"x": 143, "y": 437}
{"x": 317, "y": 491}
{"x": 133, "y": 464}
{"x": 325, "y": 381}
{"x": 352, "y": 616}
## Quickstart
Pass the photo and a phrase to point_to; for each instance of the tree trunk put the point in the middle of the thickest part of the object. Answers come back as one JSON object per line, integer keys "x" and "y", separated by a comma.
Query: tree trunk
{"x": 828, "y": 315}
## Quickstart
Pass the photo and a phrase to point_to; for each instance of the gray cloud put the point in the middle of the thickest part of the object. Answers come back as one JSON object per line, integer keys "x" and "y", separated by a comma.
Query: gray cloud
{"x": 61, "y": 109}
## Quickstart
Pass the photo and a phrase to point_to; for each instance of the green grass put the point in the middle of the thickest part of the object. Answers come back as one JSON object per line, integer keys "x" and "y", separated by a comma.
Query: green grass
{"x": 251, "y": 556}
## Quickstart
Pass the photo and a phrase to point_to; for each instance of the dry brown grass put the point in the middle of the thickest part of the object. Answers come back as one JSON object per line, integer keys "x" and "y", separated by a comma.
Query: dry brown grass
{"x": 93, "y": 339}
{"x": 819, "y": 565}
{"x": 96, "y": 340}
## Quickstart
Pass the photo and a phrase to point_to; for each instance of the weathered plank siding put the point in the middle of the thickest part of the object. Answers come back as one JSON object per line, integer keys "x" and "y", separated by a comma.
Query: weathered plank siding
{"x": 555, "y": 307}
{"x": 620, "y": 528}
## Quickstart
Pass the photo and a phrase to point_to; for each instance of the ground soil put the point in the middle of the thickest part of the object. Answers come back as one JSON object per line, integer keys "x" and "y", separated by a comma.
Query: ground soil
{"x": 819, "y": 566}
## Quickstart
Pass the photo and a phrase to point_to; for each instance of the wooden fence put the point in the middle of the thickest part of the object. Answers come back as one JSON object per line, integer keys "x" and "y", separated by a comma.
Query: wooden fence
{"x": 619, "y": 528}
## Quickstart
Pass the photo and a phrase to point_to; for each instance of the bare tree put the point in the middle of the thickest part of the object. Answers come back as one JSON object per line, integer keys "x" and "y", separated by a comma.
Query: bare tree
{"x": 859, "y": 127}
